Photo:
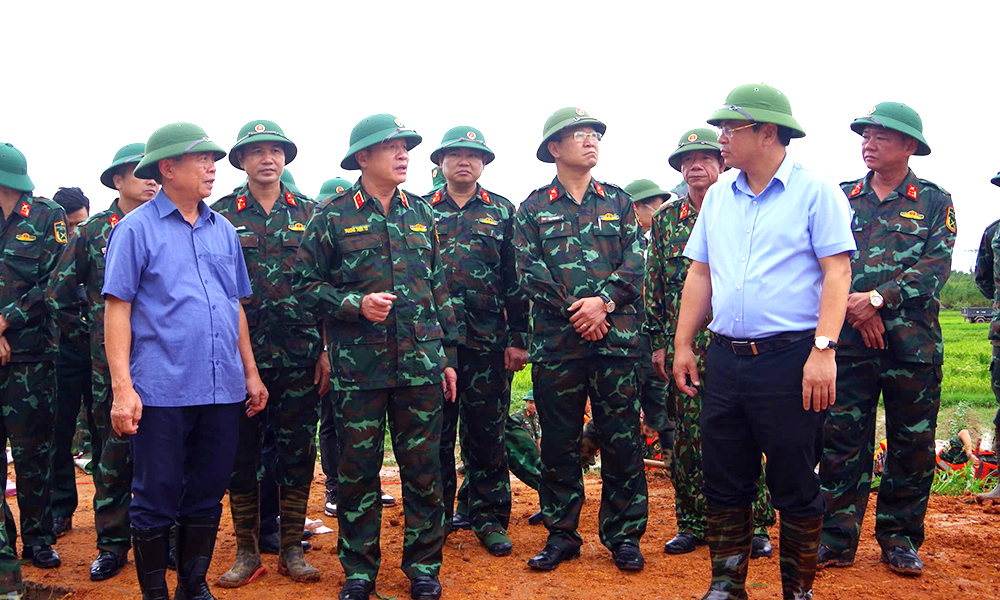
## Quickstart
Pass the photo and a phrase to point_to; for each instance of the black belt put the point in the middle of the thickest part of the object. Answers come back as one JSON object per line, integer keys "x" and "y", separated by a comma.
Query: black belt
{"x": 762, "y": 345}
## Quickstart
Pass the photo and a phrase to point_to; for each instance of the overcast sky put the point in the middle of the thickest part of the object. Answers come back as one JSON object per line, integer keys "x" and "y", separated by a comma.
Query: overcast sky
{"x": 82, "y": 79}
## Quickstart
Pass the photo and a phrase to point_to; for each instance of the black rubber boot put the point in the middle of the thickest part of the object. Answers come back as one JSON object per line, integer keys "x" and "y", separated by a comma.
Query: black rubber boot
{"x": 195, "y": 543}
{"x": 150, "y": 548}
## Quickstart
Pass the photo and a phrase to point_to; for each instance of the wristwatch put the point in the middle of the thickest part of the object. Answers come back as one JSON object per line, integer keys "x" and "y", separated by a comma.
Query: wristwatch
{"x": 876, "y": 299}
{"x": 824, "y": 343}
{"x": 609, "y": 304}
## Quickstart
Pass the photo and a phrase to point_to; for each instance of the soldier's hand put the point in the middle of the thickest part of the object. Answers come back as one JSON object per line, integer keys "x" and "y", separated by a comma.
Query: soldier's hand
{"x": 322, "y": 376}
{"x": 859, "y": 308}
{"x": 686, "y": 367}
{"x": 258, "y": 395}
{"x": 871, "y": 332}
{"x": 4, "y": 351}
{"x": 3, "y": 324}
{"x": 596, "y": 333}
{"x": 819, "y": 380}
{"x": 375, "y": 307}
{"x": 450, "y": 384}
{"x": 660, "y": 363}
{"x": 514, "y": 359}
{"x": 126, "y": 411}
{"x": 588, "y": 313}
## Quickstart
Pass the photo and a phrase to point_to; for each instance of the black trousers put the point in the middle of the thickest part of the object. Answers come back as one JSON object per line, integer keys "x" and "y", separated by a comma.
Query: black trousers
{"x": 753, "y": 405}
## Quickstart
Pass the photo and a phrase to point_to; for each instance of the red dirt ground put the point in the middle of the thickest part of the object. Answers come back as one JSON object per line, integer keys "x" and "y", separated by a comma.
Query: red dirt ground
{"x": 961, "y": 557}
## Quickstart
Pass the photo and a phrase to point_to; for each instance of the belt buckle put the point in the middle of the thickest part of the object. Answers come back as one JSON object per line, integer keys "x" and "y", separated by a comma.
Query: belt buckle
{"x": 737, "y": 346}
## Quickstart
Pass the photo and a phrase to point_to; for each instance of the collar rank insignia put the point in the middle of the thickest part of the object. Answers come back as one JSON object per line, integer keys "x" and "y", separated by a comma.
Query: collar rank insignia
{"x": 488, "y": 221}
{"x": 553, "y": 194}
{"x": 599, "y": 189}
{"x": 405, "y": 200}
{"x": 912, "y": 214}
{"x": 25, "y": 237}
{"x": 114, "y": 220}
{"x": 856, "y": 190}
{"x": 359, "y": 199}
{"x": 59, "y": 229}
{"x": 949, "y": 220}
{"x": 608, "y": 217}
{"x": 911, "y": 191}
{"x": 357, "y": 229}
{"x": 418, "y": 227}
{"x": 685, "y": 210}
{"x": 296, "y": 227}
{"x": 25, "y": 210}
{"x": 241, "y": 203}
{"x": 437, "y": 197}
{"x": 485, "y": 197}
{"x": 289, "y": 198}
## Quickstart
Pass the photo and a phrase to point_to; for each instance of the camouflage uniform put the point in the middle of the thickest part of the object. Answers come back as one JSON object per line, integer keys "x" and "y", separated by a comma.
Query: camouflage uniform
{"x": 82, "y": 263}
{"x": 567, "y": 251}
{"x": 666, "y": 269}
{"x": 986, "y": 276}
{"x": 905, "y": 244}
{"x": 31, "y": 238}
{"x": 350, "y": 249}
{"x": 478, "y": 255}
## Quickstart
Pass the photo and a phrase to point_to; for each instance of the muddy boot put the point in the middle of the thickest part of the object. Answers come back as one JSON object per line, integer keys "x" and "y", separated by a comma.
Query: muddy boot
{"x": 150, "y": 549}
{"x": 797, "y": 546}
{"x": 195, "y": 543}
{"x": 993, "y": 496}
{"x": 728, "y": 535}
{"x": 246, "y": 523}
{"x": 291, "y": 560}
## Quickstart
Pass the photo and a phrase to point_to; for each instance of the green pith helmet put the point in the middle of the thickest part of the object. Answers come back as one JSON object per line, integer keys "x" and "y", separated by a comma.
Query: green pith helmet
{"x": 759, "y": 103}
{"x": 288, "y": 180}
{"x": 640, "y": 189}
{"x": 437, "y": 178}
{"x": 898, "y": 117}
{"x": 262, "y": 131}
{"x": 332, "y": 187}
{"x": 130, "y": 153}
{"x": 375, "y": 129}
{"x": 14, "y": 169}
{"x": 696, "y": 139}
{"x": 996, "y": 180}
{"x": 463, "y": 137}
{"x": 561, "y": 119}
{"x": 175, "y": 139}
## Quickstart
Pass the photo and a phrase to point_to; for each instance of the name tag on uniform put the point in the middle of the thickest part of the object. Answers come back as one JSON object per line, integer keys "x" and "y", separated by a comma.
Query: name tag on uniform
{"x": 418, "y": 227}
{"x": 296, "y": 227}
{"x": 551, "y": 219}
{"x": 912, "y": 214}
{"x": 241, "y": 228}
{"x": 488, "y": 221}
{"x": 25, "y": 237}
{"x": 357, "y": 229}
{"x": 609, "y": 217}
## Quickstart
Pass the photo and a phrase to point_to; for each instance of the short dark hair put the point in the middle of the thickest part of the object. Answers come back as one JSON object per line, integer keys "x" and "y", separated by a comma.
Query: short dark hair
{"x": 784, "y": 133}
{"x": 71, "y": 199}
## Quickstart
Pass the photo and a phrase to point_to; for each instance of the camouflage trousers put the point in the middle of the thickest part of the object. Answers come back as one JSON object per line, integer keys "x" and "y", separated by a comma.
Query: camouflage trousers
{"x": 911, "y": 393}
{"x": 995, "y": 382}
{"x": 561, "y": 390}
{"x": 687, "y": 476}
{"x": 652, "y": 392}
{"x": 482, "y": 404}
{"x": 415, "y": 415}
{"x": 292, "y": 413}
{"x": 28, "y": 399}
{"x": 73, "y": 389}
{"x": 112, "y": 469}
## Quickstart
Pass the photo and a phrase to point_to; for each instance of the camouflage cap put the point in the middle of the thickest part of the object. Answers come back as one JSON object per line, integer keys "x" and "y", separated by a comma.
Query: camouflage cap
{"x": 14, "y": 169}
{"x": 463, "y": 136}
{"x": 996, "y": 180}
{"x": 375, "y": 129}
{"x": 898, "y": 117}
{"x": 758, "y": 103}
{"x": 262, "y": 131}
{"x": 641, "y": 189}
{"x": 130, "y": 153}
{"x": 697, "y": 139}
{"x": 175, "y": 139}
{"x": 559, "y": 120}
{"x": 332, "y": 187}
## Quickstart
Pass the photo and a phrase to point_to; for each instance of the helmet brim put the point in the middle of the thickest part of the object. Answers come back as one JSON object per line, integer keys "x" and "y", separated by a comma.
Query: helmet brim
{"x": 859, "y": 125}
{"x": 412, "y": 140}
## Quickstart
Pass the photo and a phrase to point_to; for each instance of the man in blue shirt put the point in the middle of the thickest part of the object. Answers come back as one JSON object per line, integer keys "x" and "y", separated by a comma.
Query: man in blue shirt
{"x": 770, "y": 255}
{"x": 175, "y": 261}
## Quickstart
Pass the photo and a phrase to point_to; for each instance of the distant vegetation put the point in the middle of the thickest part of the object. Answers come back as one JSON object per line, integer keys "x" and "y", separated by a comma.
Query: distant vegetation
{"x": 961, "y": 291}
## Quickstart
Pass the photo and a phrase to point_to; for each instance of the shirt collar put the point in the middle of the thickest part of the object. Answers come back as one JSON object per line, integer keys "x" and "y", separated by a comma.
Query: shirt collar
{"x": 782, "y": 175}
{"x": 164, "y": 206}
{"x": 480, "y": 195}
{"x": 360, "y": 197}
{"x": 557, "y": 191}
{"x": 902, "y": 190}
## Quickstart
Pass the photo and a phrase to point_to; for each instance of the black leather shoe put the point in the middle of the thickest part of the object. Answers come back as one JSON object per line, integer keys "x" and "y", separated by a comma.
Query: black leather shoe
{"x": 628, "y": 557}
{"x": 760, "y": 547}
{"x": 306, "y": 534}
{"x": 269, "y": 543}
{"x": 356, "y": 589}
{"x": 425, "y": 588}
{"x": 550, "y": 557}
{"x": 903, "y": 560}
{"x": 682, "y": 544}
{"x": 537, "y": 518}
{"x": 106, "y": 565}
{"x": 825, "y": 557}
{"x": 42, "y": 556}
{"x": 460, "y": 521}
{"x": 61, "y": 526}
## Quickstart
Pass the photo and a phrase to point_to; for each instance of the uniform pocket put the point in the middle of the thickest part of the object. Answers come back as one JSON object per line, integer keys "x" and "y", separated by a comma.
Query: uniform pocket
{"x": 361, "y": 254}
{"x": 484, "y": 318}
{"x": 22, "y": 262}
{"x": 420, "y": 256}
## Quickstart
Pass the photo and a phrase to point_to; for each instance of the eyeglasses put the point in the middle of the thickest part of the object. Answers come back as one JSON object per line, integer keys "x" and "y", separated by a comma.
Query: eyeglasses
{"x": 582, "y": 136}
{"x": 727, "y": 131}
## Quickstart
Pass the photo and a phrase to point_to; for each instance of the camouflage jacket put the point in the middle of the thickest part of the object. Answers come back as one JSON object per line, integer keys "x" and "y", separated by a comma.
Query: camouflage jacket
{"x": 567, "y": 251}
{"x": 984, "y": 262}
{"x": 477, "y": 247}
{"x": 82, "y": 263}
{"x": 905, "y": 244}
{"x": 666, "y": 269}
{"x": 282, "y": 333}
{"x": 350, "y": 249}
{"x": 31, "y": 239}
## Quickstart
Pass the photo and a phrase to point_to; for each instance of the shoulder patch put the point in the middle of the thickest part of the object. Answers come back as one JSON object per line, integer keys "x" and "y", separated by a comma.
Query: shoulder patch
{"x": 59, "y": 229}
{"x": 856, "y": 190}
{"x": 912, "y": 192}
{"x": 25, "y": 237}
{"x": 241, "y": 203}
{"x": 949, "y": 220}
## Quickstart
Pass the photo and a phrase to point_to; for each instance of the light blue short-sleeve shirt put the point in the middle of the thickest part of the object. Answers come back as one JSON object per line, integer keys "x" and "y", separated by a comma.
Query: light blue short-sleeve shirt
{"x": 185, "y": 285}
{"x": 763, "y": 250}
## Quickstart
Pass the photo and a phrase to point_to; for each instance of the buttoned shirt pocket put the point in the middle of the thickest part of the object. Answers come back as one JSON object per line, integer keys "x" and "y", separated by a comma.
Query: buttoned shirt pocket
{"x": 484, "y": 319}
{"x": 21, "y": 263}
{"x": 224, "y": 267}
{"x": 675, "y": 263}
{"x": 361, "y": 354}
{"x": 623, "y": 330}
{"x": 907, "y": 238}
{"x": 361, "y": 258}
{"x": 556, "y": 241}
{"x": 420, "y": 255}
{"x": 609, "y": 241}
{"x": 486, "y": 240}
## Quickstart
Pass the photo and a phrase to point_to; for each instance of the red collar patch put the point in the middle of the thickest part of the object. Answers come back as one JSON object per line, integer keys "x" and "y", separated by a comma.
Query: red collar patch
{"x": 685, "y": 210}
{"x": 403, "y": 199}
{"x": 856, "y": 190}
{"x": 911, "y": 191}
{"x": 599, "y": 190}
{"x": 241, "y": 203}
{"x": 359, "y": 199}
{"x": 437, "y": 197}
{"x": 25, "y": 210}
{"x": 289, "y": 198}
{"x": 485, "y": 197}
{"x": 114, "y": 220}
{"x": 553, "y": 194}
